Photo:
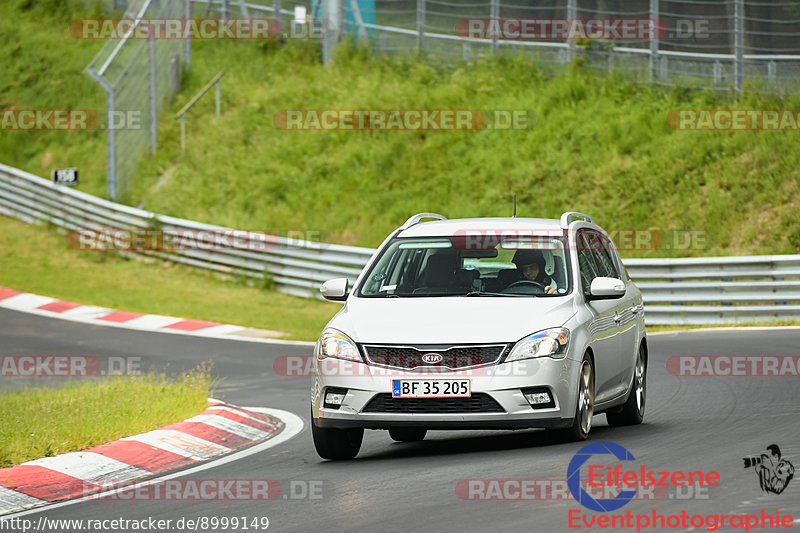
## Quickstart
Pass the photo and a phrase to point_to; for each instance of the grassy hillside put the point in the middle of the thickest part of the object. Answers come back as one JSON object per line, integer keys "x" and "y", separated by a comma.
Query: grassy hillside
{"x": 597, "y": 144}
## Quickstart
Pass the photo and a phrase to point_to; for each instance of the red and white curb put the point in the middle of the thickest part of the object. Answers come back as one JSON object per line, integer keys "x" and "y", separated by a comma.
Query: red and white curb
{"x": 101, "y": 316}
{"x": 219, "y": 430}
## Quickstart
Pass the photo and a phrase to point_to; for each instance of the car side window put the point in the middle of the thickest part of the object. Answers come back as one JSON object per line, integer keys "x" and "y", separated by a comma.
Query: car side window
{"x": 608, "y": 246}
{"x": 602, "y": 254}
{"x": 586, "y": 263}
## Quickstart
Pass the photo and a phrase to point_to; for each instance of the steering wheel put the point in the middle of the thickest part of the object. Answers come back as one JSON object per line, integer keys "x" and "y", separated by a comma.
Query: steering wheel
{"x": 528, "y": 283}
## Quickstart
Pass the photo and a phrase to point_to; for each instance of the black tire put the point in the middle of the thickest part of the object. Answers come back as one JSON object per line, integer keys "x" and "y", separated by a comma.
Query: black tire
{"x": 336, "y": 444}
{"x": 632, "y": 411}
{"x": 584, "y": 410}
{"x": 407, "y": 434}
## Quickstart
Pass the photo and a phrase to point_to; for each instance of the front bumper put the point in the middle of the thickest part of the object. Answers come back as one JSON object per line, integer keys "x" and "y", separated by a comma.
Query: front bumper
{"x": 503, "y": 383}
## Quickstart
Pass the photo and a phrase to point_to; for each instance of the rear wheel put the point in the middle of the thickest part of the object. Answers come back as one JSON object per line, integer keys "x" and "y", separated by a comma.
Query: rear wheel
{"x": 336, "y": 444}
{"x": 584, "y": 411}
{"x": 632, "y": 411}
{"x": 407, "y": 434}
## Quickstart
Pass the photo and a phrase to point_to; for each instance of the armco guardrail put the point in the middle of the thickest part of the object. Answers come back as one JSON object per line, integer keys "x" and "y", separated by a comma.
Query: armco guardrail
{"x": 713, "y": 290}
{"x": 296, "y": 266}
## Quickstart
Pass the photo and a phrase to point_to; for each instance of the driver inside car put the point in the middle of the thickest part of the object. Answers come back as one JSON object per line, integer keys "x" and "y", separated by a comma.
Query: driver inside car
{"x": 530, "y": 267}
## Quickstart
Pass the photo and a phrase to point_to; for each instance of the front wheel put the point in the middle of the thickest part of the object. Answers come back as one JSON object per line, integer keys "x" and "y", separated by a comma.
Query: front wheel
{"x": 336, "y": 444}
{"x": 632, "y": 412}
{"x": 584, "y": 411}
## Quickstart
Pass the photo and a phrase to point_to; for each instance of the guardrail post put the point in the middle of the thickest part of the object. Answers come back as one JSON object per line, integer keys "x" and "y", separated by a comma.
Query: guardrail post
{"x": 772, "y": 72}
{"x": 654, "y": 41}
{"x": 738, "y": 43}
{"x": 421, "y": 25}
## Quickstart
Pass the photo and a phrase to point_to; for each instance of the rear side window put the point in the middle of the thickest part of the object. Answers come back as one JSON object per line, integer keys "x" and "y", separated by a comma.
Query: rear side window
{"x": 596, "y": 258}
{"x": 602, "y": 254}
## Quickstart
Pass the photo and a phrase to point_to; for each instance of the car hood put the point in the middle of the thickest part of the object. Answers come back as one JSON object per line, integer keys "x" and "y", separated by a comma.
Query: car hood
{"x": 448, "y": 320}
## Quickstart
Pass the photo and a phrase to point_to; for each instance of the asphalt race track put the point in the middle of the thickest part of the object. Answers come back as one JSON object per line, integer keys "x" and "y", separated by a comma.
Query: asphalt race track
{"x": 691, "y": 423}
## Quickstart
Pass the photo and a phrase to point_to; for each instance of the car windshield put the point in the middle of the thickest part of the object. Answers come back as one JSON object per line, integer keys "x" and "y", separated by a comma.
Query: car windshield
{"x": 534, "y": 266}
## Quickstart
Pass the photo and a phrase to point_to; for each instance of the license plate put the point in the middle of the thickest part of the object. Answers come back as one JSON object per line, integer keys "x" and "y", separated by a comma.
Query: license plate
{"x": 431, "y": 388}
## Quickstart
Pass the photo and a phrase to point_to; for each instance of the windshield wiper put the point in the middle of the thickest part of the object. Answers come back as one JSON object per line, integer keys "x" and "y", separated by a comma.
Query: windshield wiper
{"x": 486, "y": 293}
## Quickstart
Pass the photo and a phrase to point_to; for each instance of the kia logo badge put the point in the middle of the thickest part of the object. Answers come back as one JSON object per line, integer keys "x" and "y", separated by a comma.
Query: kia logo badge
{"x": 432, "y": 358}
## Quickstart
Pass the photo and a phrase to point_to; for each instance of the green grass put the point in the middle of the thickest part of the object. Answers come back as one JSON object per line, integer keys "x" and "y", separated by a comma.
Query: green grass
{"x": 38, "y": 260}
{"x": 598, "y": 144}
{"x": 42, "y": 422}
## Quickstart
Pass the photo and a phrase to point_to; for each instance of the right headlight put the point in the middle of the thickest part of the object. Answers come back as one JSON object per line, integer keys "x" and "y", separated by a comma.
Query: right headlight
{"x": 546, "y": 343}
{"x": 334, "y": 343}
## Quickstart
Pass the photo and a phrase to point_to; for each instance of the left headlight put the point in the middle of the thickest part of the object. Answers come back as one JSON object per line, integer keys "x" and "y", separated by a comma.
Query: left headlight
{"x": 546, "y": 343}
{"x": 333, "y": 343}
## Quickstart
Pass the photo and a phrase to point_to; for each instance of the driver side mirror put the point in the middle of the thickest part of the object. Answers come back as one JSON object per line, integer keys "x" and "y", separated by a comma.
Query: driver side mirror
{"x": 335, "y": 289}
{"x": 606, "y": 289}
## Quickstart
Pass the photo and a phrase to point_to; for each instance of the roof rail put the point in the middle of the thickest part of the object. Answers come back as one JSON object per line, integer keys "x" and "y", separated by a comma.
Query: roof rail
{"x": 419, "y": 216}
{"x": 569, "y": 216}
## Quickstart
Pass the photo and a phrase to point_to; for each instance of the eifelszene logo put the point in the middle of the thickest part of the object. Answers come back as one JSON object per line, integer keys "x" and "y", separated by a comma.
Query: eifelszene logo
{"x": 774, "y": 473}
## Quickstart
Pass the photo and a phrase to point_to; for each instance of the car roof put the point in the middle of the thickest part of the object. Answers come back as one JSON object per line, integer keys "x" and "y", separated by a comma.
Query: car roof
{"x": 446, "y": 228}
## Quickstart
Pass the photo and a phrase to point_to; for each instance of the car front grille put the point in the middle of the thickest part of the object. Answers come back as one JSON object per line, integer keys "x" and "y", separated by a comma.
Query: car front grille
{"x": 452, "y": 357}
{"x": 478, "y": 403}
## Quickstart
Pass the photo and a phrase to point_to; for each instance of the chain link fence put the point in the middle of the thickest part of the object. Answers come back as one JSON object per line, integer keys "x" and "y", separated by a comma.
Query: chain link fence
{"x": 705, "y": 43}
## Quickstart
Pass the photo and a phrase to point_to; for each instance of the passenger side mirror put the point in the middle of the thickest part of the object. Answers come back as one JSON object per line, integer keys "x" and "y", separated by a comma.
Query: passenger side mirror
{"x": 336, "y": 289}
{"x": 606, "y": 289}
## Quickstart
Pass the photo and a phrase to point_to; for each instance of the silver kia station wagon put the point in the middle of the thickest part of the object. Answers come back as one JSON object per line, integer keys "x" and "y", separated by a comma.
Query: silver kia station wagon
{"x": 481, "y": 323}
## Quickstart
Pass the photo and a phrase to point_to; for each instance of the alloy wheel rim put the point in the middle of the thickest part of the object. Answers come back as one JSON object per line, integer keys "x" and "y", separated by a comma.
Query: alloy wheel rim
{"x": 641, "y": 386}
{"x": 641, "y": 390}
{"x": 586, "y": 398}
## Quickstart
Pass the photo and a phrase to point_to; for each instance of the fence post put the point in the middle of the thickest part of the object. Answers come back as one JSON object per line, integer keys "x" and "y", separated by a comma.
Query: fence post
{"x": 421, "y": 25}
{"x": 187, "y": 42}
{"x": 153, "y": 95}
{"x": 218, "y": 98}
{"x": 111, "y": 147}
{"x": 276, "y": 6}
{"x": 572, "y": 13}
{"x": 494, "y": 13}
{"x": 654, "y": 41}
{"x": 772, "y": 73}
{"x": 738, "y": 38}
{"x": 331, "y": 27}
